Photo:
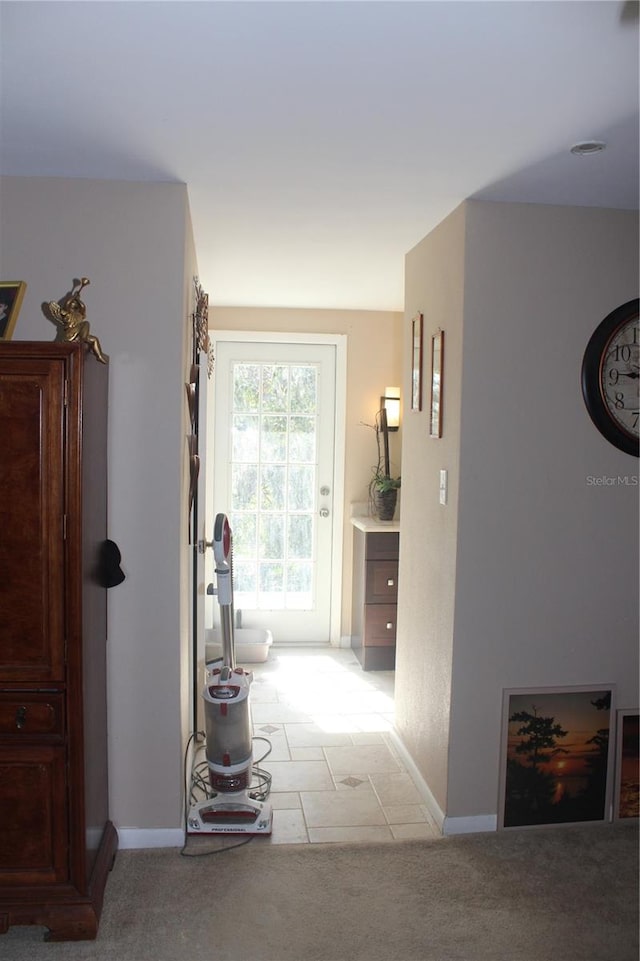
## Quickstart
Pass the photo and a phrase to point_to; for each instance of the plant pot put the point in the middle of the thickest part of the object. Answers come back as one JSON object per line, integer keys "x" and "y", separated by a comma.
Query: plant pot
{"x": 385, "y": 504}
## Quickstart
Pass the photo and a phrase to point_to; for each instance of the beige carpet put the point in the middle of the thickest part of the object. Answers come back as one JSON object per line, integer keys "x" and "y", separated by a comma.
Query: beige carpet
{"x": 561, "y": 894}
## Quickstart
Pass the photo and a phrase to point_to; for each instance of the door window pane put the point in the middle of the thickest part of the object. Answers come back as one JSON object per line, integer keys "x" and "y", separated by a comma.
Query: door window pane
{"x": 245, "y": 532}
{"x": 302, "y": 439}
{"x": 244, "y": 487}
{"x": 301, "y": 488}
{"x": 272, "y": 536}
{"x": 274, "y": 439}
{"x": 272, "y": 487}
{"x": 245, "y": 438}
{"x": 300, "y": 536}
{"x": 245, "y": 584}
{"x": 275, "y": 387}
{"x": 304, "y": 388}
{"x": 246, "y": 387}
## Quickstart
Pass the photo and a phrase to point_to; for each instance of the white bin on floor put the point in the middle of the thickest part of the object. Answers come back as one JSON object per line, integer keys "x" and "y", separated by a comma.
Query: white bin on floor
{"x": 251, "y": 645}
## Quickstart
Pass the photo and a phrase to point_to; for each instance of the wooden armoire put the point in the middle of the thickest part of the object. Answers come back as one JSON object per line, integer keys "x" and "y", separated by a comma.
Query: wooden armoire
{"x": 57, "y": 843}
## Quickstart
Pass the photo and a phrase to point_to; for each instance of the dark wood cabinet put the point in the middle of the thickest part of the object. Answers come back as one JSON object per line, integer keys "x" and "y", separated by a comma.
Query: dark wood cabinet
{"x": 57, "y": 843}
{"x": 375, "y": 596}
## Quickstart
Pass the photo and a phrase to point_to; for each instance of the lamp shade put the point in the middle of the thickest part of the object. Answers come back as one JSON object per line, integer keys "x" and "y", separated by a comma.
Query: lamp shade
{"x": 391, "y": 403}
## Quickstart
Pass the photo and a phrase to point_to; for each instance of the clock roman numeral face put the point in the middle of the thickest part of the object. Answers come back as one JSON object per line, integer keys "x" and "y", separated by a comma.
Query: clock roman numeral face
{"x": 610, "y": 377}
{"x": 620, "y": 376}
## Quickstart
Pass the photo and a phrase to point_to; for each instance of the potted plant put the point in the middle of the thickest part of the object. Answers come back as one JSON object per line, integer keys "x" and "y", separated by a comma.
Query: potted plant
{"x": 383, "y": 488}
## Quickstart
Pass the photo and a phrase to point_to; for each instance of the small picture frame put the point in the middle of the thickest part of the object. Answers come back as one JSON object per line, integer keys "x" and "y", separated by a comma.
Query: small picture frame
{"x": 557, "y": 756}
{"x": 437, "y": 366}
{"x": 626, "y": 801}
{"x": 416, "y": 363}
{"x": 11, "y": 297}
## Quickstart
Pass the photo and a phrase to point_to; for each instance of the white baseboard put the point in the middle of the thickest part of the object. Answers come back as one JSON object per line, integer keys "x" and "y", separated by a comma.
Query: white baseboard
{"x": 432, "y": 805}
{"x": 132, "y": 838}
{"x": 478, "y": 824}
{"x": 345, "y": 640}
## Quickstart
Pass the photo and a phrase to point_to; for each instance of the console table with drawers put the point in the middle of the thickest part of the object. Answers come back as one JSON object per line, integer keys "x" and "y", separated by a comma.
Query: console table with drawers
{"x": 375, "y": 592}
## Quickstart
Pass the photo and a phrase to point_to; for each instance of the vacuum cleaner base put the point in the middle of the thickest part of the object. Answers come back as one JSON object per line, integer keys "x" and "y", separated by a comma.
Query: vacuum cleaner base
{"x": 230, "y": 814}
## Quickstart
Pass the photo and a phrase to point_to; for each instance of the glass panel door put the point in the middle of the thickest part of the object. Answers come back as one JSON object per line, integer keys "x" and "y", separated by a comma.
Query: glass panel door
{"x": 273, "y": 476}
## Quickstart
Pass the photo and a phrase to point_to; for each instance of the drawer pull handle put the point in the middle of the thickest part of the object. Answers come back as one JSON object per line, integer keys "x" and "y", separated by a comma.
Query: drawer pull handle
{"x": 390, "y": 582}
{"x": 389, "y": 626}
{"x": 21, "y": 717}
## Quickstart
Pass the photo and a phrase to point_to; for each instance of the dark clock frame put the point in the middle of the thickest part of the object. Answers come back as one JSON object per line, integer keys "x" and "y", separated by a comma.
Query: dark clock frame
{"x": 591, "y": 388}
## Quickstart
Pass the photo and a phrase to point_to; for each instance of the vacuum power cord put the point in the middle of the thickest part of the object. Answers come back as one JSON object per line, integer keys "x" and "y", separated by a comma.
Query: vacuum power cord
{"x": 198, "y": 784}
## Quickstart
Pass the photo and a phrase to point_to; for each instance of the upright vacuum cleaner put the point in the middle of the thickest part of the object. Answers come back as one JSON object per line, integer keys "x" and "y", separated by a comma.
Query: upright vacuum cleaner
{"x": 231, "y": 807}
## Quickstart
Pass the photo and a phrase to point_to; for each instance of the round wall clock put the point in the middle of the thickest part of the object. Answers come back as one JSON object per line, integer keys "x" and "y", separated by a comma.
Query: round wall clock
{"x": 611, "y": 377}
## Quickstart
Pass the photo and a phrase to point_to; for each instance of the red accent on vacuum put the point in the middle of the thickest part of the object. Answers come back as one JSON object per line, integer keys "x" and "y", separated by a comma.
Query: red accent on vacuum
{"x": 234, "y": 815}
{"x": 230, "y": 783}
{"x": 226, "y": 538}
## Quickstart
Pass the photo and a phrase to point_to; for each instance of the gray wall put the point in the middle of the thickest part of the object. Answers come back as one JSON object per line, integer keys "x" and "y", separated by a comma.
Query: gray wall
{"x": 546, "y": 564}
{"x": 428, "y": 538}
{"x": 133, "y": 242}
{"x": 547, "y": 581}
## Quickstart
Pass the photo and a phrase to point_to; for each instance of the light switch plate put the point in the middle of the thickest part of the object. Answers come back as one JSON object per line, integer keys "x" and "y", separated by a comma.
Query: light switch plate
{"x": 444, "y": 486}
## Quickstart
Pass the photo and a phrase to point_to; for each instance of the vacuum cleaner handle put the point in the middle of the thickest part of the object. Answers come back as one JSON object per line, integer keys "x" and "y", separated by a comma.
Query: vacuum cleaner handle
{"x": 222, "y": 539}
{"x": 222, "y": 550}
{"x": 222, "y": 555}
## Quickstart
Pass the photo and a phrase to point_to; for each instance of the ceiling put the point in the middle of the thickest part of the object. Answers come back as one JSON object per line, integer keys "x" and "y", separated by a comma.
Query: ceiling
{"x": 320, "y": 141}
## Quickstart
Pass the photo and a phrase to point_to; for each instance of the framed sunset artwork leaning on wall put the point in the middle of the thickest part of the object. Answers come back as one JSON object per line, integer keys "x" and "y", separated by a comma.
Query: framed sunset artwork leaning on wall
{"x": 626, "y": 803}
{"x": 557, "y": 756}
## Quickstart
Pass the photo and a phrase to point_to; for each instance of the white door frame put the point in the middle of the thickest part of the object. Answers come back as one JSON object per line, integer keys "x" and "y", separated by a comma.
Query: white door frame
{"x": 339, "y": 341}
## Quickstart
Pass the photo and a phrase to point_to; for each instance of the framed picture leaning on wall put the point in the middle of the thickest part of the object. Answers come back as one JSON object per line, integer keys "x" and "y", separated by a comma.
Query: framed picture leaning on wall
{"x": 626, "y": 802}
{"x": 11, "y": 295}
{"x": 556, "y": 761}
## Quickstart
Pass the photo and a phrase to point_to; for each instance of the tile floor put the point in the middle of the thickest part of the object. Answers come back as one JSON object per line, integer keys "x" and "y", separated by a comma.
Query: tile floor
{"x": 335, "y": 774}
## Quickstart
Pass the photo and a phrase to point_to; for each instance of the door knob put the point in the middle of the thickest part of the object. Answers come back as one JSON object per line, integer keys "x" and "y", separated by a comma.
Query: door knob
{"x": 324, "y": 490}
{"x": 324, "y": 512}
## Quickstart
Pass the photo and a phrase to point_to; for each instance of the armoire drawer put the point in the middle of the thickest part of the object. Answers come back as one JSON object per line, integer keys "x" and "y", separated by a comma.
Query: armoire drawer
{"x": 31, "y": 714}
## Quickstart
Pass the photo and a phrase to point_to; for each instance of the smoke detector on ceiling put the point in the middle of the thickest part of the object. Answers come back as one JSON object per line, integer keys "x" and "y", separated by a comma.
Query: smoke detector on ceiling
{"x": 586, "y": 147}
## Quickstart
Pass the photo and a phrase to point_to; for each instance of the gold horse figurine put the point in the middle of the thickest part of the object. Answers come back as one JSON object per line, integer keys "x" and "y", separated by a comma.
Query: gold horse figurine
{"x": 71, "y": 316}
